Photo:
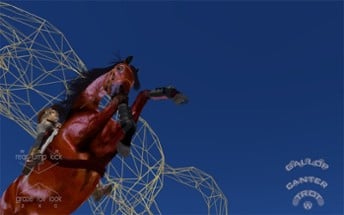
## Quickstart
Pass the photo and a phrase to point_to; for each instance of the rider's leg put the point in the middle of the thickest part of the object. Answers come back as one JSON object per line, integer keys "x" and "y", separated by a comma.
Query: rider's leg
{"x": 32, "y": 158}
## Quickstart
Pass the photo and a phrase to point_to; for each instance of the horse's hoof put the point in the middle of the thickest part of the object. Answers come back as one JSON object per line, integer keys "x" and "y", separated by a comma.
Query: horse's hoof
{"x": 180, "y": 99}
{"x": 123, "y": 150}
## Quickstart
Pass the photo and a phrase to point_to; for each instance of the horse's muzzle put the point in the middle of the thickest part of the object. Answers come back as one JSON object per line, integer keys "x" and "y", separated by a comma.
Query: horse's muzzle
{"x": 115, "y": 89}
{"x": 119, "y": 88}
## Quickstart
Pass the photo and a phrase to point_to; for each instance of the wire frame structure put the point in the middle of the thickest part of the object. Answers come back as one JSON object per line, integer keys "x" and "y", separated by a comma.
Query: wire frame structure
{"x": 36, "y": 62}
{"x": 35, "y": 58}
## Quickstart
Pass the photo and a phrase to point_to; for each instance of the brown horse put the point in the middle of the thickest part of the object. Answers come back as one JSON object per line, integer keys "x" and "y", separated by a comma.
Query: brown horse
{"x": 76, "y": 159}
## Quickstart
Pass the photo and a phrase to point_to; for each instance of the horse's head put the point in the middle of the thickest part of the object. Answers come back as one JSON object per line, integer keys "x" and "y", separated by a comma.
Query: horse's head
{"x": 121, "y": 78}
{"x": 87, "y": 90}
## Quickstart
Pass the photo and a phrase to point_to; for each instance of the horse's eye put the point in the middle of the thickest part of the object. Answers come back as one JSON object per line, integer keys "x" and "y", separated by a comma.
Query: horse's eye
{"x": 120, "y": 68}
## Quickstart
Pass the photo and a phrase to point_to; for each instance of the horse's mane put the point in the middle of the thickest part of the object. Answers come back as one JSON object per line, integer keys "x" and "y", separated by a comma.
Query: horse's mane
{"x": 78, "y": 85}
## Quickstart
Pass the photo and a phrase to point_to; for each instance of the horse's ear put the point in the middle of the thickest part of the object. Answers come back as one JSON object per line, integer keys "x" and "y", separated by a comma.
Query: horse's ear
{"x": 128, "y": 60}
{"x": 137, "y": 84}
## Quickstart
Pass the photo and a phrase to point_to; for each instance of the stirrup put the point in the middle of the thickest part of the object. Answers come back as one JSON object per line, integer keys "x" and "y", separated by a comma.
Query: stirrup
{"x": 30, "y": 165}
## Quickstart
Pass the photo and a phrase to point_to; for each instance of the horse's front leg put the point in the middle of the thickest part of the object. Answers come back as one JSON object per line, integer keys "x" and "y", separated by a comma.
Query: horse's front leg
{"x": 99, "y": 121}
{"x": 168, "y": 93}
{"x": 128, "y": 118}
{"x": 161, "y": 93}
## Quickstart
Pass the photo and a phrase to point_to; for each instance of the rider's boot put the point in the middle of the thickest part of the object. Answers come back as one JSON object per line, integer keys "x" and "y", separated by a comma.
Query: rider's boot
{"x": 32, "y": 160}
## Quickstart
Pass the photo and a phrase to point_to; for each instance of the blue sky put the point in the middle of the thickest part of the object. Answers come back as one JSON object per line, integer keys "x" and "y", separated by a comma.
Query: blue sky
{"x": 265, "y": 85}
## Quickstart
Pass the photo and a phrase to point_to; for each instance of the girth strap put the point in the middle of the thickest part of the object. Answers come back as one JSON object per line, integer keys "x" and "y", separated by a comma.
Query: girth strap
{"x": 80, "y": 164}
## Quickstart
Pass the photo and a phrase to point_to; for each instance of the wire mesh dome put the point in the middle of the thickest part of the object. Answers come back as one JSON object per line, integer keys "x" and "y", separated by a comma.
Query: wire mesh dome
{"x": 36, "y": 58}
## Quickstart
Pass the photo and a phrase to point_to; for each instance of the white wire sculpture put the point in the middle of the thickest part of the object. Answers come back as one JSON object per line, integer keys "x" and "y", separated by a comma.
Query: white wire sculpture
{"x": 36, "y": 58}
